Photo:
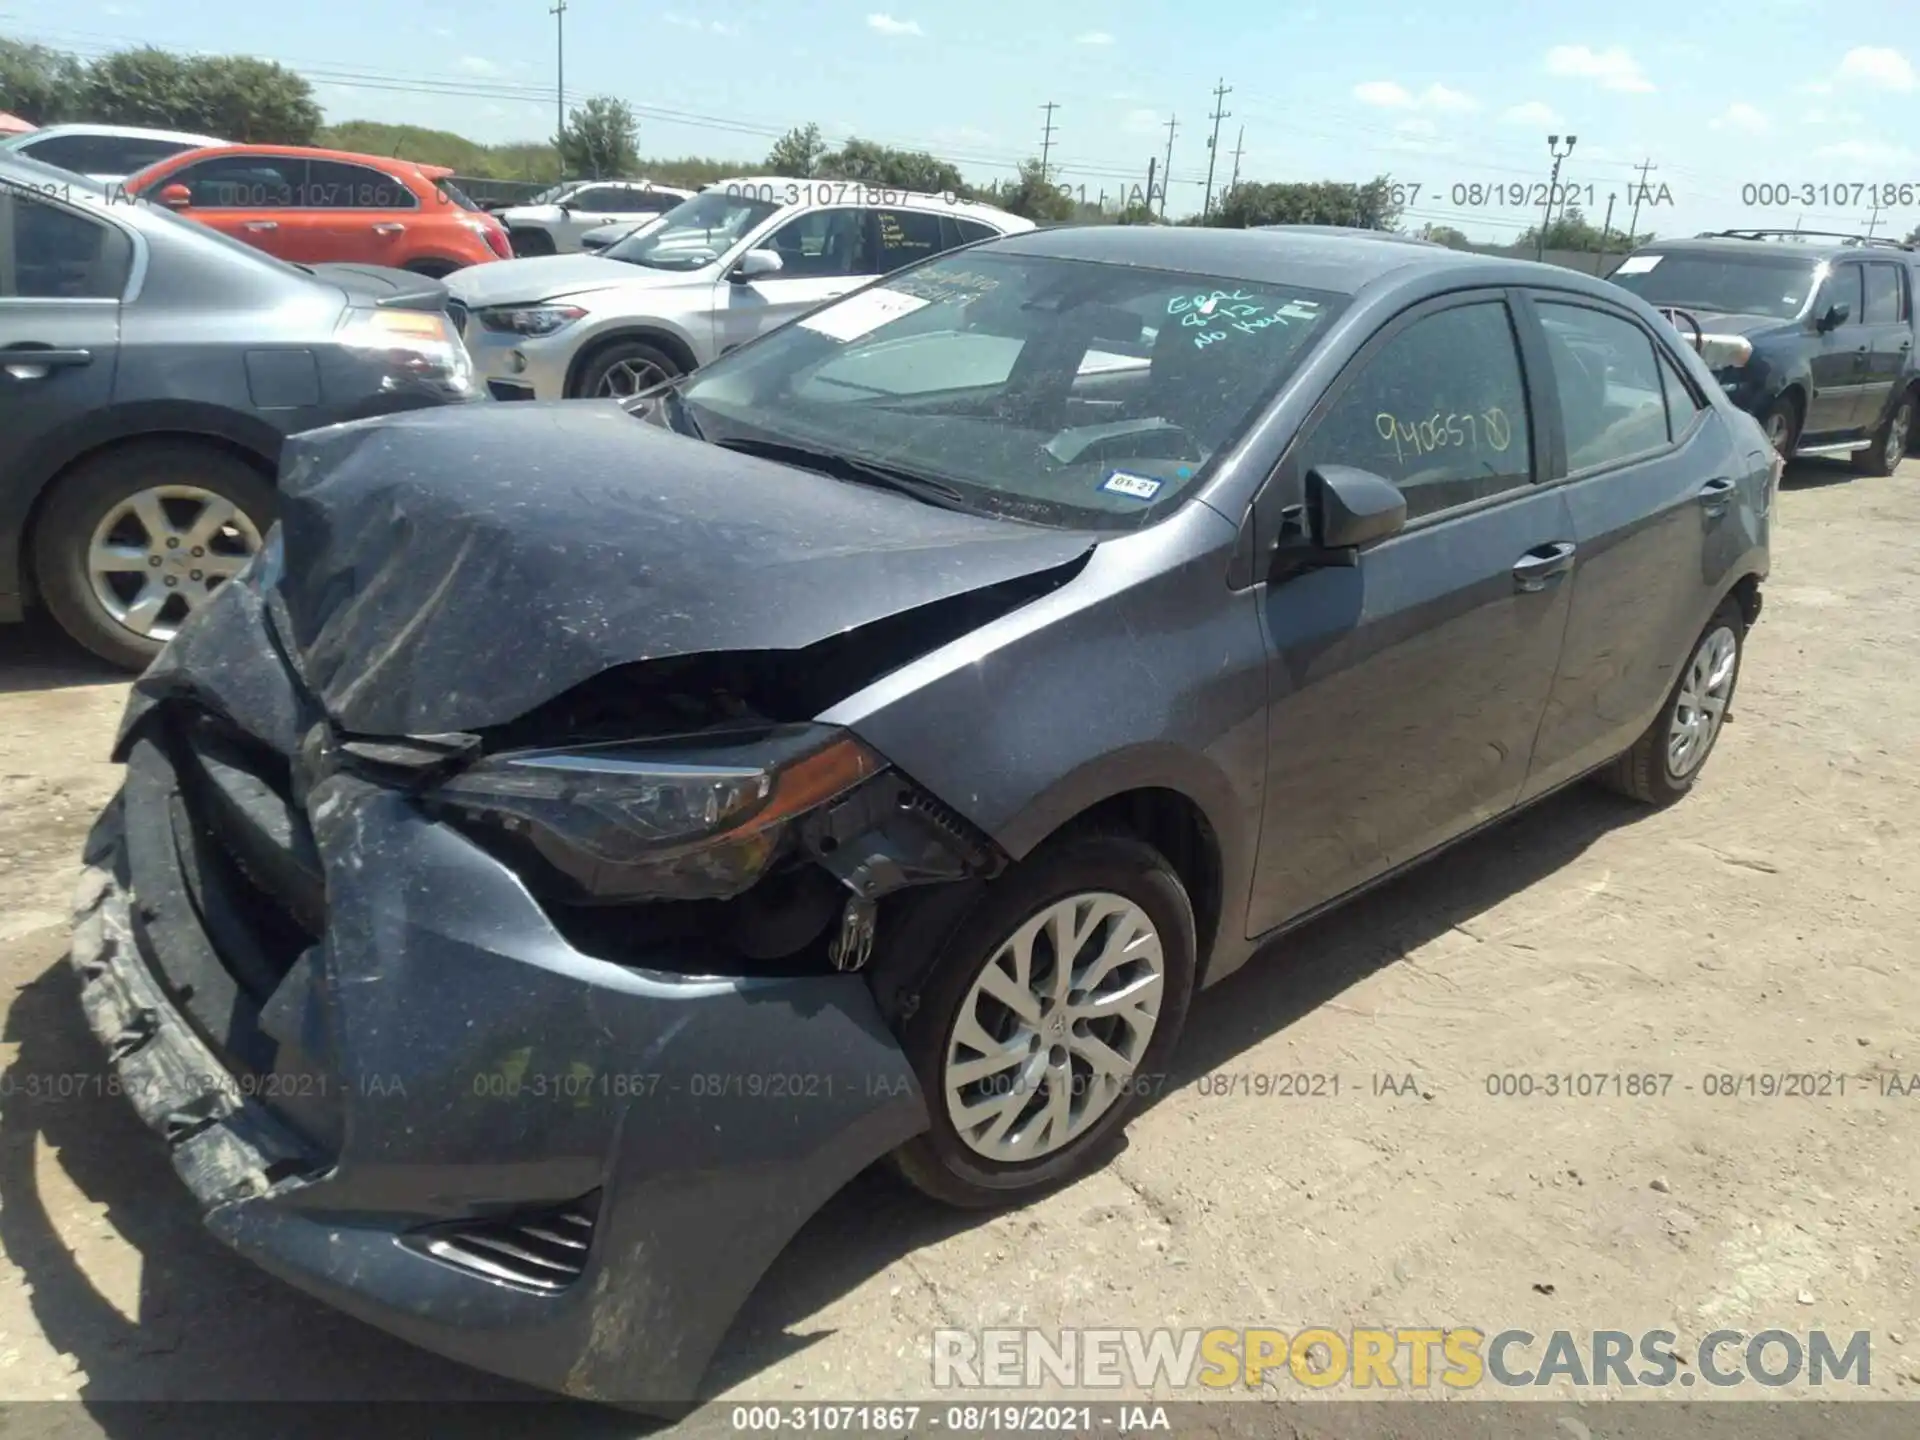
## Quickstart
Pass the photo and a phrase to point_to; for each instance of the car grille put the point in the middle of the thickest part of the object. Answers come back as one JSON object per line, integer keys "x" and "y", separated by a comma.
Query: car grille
{"x": 543, "y": 1250}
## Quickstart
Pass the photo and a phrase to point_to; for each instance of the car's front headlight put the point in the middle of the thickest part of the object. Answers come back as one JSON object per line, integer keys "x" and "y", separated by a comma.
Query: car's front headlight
{"x": 694, "y": 817}
{"x": 528, "y": 320}
{"x": 421, "y": 348}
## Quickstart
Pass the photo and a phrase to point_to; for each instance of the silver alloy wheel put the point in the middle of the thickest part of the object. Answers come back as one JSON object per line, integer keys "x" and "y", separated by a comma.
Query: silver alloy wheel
{"x": 1055, "y": 1027}
{"x": 629, "y": 377}
{"x": 159, "y": 553}
{"x": 1702, "y": 705}
{"x": 1779, "y": 431}
{"x": 1898, "y": 429}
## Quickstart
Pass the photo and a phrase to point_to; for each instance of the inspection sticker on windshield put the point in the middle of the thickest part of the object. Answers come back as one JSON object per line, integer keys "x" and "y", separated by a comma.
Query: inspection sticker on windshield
{"x": 862, "y": 314}
{"x": 1638, "y": 264}
{"x": 1139, "y": 487}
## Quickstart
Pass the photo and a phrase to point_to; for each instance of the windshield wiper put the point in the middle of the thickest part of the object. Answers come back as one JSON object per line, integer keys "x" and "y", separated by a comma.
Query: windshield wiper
{"x": 860, "y": 472}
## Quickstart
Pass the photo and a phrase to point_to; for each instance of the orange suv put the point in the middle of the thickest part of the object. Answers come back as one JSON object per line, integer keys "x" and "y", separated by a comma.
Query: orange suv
{"x": 319, "y": 206}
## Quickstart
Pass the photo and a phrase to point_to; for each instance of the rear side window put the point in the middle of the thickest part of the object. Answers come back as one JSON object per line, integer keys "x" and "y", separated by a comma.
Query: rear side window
{"x": 972, "y": 230}
{"x": 103, "y": 154}
{"x": 48, "y": 252}
{"x": 1611, "y": 396}
{"x": 906, "y": 236}
{"x": 337, "y": 185}
{"x": 1886, "y": 296}
{"x": 1440, "y": 410}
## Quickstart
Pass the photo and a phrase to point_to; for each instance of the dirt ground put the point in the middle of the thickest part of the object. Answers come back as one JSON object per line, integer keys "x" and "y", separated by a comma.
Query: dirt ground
{"x": 1766, "y": 925}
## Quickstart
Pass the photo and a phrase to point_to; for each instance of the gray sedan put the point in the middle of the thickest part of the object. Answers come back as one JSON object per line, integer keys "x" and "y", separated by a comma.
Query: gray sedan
{"x": 622, "y": 824}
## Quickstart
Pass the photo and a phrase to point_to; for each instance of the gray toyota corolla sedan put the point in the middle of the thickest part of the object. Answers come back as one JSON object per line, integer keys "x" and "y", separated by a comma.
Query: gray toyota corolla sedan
{"x": 587, "y": 836}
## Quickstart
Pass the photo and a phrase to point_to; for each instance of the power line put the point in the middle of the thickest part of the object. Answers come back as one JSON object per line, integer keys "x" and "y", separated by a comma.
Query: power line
{"x": 1046, "y": 140}
{"x": 1220, "y": 93}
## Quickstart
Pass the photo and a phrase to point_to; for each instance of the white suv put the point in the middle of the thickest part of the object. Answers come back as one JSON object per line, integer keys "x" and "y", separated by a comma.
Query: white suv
{"x": 553, "y": 221}
{"x": 104, "y": 153}
{"x": 733, "y": 262}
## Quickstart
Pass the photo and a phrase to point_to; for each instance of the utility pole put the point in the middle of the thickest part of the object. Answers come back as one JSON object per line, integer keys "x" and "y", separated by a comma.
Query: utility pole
{"x": 1239, "y": 149}
{"x": 1151, "y": 162}
{"x": 1553, "y": 184}
{"x": 1046, "y": 139}
{"x": 1166, "y": 175}
{"x": 1220, "y": 93}
{"x": 559, "y": 13}
{"x": 1873, "y": 223}
{"x": 1606, "y": 235}
{"x": 1633, "y": 225}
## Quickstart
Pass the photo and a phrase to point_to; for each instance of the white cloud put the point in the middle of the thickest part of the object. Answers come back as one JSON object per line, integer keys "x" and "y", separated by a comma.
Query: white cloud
{"x": 1879, "y": 68}
{"x": 1534, "y": 112}
{"x": 1419, "y": 129}
{"x": 1815, "y": 87}
{"x": 1093, "y": 37}
{"x": 1866, "y": 152}
{"x": 1142, "y": 122}
{"x": 1820, "y": 115}
{"x": 1612, "y": 68}
{"x": 1740, "y": 118}
{"x": 887, "y": 25}
{"x": 475, "y": 65}
{"x": 688, "y": 22}
{"x": 1390, "y": 95}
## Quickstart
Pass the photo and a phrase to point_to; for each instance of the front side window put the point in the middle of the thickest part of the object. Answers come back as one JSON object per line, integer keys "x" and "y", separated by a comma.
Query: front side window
{"x": 1843, "y": 287}
{"x": 1440, "y": 410}
{"x": 104, "y": 154}
{"x": 48, "y": 252}
{"x": 1608, "y": 384}
{"x": 1062, "y": 392}
{"x": 1682, "y": 404}
{"x": 240, "y": 182}
{"x": 822, "y": 245}
{"x": 1768, "y": 284}
{"x": 694, "y": 233}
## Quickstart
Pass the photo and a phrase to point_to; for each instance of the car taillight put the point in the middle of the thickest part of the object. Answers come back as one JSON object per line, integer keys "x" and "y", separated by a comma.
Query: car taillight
{"x": 497, "y": 241}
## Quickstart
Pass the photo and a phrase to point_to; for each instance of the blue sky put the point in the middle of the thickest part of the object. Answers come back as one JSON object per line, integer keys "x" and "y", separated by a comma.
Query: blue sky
{"x": 1719, "y": 96}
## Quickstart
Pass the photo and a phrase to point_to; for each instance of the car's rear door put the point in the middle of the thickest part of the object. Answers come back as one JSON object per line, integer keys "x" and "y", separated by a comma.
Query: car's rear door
{"x": 1889, "y": 336}
{"x": 354, "y": 214}
{"x": 1656, "y": 484}
{"x": 1405, "y": 692}
{"x": 63, "y": 273}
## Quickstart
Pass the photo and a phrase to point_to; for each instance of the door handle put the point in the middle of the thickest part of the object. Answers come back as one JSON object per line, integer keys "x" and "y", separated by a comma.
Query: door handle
{"x": 1542, "y": 563}
{"x": 1715, "y": 494}
{"x": 389, "y": 227}
{"x": 259, "y": 225}
{"x": 24, "y": 362}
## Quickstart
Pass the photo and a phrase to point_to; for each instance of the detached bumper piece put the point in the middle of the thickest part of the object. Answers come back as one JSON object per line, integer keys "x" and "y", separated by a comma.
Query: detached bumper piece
{"x": 388, "y": 1079}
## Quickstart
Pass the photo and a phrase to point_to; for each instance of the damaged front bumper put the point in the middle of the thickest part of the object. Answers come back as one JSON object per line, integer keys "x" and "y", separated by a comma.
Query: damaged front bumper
{"x": 439, "y": 1115}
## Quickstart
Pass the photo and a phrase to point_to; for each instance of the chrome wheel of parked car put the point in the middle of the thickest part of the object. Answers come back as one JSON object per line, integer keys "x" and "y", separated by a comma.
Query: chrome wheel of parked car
{"x": 629, "y": 375}
{"x": 1890, "y": 442}
{"x": 1705, "y": 690}
{"x": 1055, "y": 1027}
{"x": 1779, "y": 425}
{"x": 160, "y": 552}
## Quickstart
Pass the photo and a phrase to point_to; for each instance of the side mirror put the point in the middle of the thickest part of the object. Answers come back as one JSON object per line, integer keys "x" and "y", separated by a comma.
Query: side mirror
{"x": 1348, "y": 508}
{"x": 175, "y": 197}
{"x": 1836, "y": 315}
{"x": 756, "y": 263}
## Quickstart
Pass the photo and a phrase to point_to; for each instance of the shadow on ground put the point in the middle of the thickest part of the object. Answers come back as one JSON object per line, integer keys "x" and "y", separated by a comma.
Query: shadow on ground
{"x": 36, "y": 655}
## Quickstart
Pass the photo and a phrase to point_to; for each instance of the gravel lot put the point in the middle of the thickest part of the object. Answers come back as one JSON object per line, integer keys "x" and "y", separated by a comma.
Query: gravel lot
{"x": 1765, "y": 925}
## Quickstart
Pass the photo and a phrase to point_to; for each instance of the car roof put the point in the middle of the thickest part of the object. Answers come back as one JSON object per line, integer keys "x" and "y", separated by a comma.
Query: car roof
{"x": 776, "y": 185}
{"x": 314, "y": 152}
{"x": 1811, "y": 250}
{"x": 127, "y": 132}
{"x": 1391, "y": 236}
{"x": 1316, "y": 257}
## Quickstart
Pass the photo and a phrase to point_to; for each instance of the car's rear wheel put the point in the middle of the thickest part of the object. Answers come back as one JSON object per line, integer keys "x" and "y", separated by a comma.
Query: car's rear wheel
{"x": 623, "y": 368}
{"x": 432, "y": 269}
{"x": 1890, "y": 441}
{"x": 1664, "y": 762}
{"x": 1048, "y": 1015}
{"x": 133, "y": 541}
{"x": 1782, "y": 424}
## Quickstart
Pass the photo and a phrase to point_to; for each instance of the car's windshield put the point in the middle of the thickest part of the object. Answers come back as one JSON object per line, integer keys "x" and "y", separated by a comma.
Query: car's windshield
{"x": 1774, "y": 285}
{"x": 1063, "y": 392}
{"x": 694, "y": 233}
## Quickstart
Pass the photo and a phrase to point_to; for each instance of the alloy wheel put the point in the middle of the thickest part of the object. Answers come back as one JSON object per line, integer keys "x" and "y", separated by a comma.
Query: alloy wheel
{"x": 1898, "y": 429}
{"x": 1701, "y": 707}
{"x": 629, "y": 377}
{"x": 157, "y": 555}
{"x": 1779, "y": 432}
{"x": 1055, "y": 1027}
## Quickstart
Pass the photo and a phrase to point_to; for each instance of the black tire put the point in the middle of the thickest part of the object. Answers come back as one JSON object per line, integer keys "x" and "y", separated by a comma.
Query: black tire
{"x": 82, "y": 498}
{"x": 432, "y": 269}
{"x": 593, "y": 371}
{"x": 1781, "y": 421}
{"x": 939, "y": 1163}
{"x": 1891, "y": 441}
{"x": 1645, "y": 773}
{"x": 528, "y": 243}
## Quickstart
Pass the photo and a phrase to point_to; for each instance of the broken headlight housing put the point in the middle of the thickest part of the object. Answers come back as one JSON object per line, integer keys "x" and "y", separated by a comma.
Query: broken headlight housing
{"x": 698, "y": 817}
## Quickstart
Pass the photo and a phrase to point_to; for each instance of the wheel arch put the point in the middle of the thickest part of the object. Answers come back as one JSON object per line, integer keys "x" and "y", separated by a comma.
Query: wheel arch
{"x": 675, "y": 346}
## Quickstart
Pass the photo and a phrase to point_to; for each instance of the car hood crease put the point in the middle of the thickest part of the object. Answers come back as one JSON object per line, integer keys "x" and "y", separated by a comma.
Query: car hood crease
{"x": 454, "y": 572}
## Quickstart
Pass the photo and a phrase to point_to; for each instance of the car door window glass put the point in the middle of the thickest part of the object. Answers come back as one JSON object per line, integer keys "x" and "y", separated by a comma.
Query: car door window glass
{"x": 1842, "y": 287}
{"x": 336, "y": 185}
{"x": 601, "y": 197}
{"x": 1611, "y": 397}
{"x": 820, "y": 245}
{"x": 906, "y": 236}
{"x": 1440, "y": 410}
{"x": 1883, "y": 295}
{"x": 971, "y": 230}
{"x": 1682, "y": 404}
{"x": 241, "y": 182}
{"x": 48, "y": 252}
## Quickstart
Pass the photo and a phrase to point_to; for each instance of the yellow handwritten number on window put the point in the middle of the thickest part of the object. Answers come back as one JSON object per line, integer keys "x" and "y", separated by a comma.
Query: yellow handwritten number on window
{"x": 1466, "y": 430}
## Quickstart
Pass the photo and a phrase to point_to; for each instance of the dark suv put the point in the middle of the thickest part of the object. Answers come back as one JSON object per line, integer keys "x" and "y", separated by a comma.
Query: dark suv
{"x": 149, "y": 370}
{"x": 1811, "y": 332}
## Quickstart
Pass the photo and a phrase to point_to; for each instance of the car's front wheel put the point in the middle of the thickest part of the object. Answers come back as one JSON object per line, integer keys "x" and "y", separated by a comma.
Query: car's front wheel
{"x": 1782, "y": 424}
{"x": 1050, "y": 1013}
{"x": 1663, "y": 763}
{"x": 623, "y": 368}
{"x": 1890, "y": 441}
{"x": 132, "y": 542}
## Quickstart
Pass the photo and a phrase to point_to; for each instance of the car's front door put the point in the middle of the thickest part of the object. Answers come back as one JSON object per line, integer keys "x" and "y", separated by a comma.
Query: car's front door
{"x": 62, "y": 276}
{"x": 823, "y": 255}
{"x": 1839, "y": 360}
{"x": 1654, "y": 476}
{"x": 250, "y": 197}
{"x": 1889, "y": 336}
{"x": 1405, "y": 692}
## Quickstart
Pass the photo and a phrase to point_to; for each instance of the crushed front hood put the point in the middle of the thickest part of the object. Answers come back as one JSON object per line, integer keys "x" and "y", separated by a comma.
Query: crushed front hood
{"x": 453, "y": 569}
